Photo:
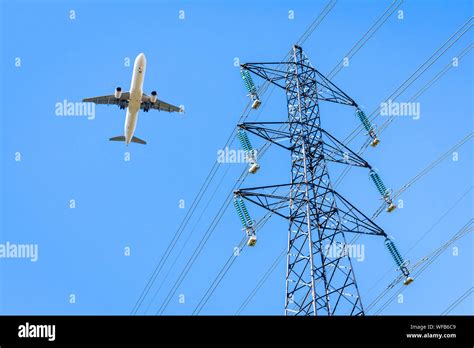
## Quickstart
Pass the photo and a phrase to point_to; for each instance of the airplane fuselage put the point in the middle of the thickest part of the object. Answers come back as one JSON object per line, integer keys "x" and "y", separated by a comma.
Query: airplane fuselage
{"x": 136, "y": 93}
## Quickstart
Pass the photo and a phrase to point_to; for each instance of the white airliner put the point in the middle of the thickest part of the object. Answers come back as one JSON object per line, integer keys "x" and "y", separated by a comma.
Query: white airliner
{"x": 134, "y": 101}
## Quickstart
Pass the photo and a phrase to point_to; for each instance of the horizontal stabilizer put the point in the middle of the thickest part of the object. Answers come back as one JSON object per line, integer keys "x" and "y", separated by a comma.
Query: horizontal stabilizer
{"x": 119, "y": 138}
{"x": 134, "y": 139}
{"x": 138, "y": 141}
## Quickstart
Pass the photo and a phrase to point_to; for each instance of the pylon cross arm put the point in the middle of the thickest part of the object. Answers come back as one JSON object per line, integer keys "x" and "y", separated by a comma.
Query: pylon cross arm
{"x": 278, "y": 73}
{"x": 332, "y": 149}
{"x": 339, "y": 216}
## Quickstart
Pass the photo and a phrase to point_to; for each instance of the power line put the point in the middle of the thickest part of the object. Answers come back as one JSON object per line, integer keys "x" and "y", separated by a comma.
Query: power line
{"x": 227, "y": 266}
{"x": 432, "y": 81}
{"x": 329, "y": 6}
{"x": 368, "y": 34}
{"x": 425, "y": 66}
{"x": 427, "y": 169}
{"x": 380, "y": 21}
{"x": 377, "y": 29}
{"x": 201, "y": 244}
{"x": 177, "y": 236}
{"x": 416, "y": 95}
{"x": 187, "y": 240}
{"x": 219, "y": 277}
{"x": 262, "y": 281}
{"x": 308, "y": 32}
{"x": 404, "y": 187}
{"x": 196, "y": 251}
{"x": 243, "y": 176}
{"x": 429, "y": 230}
{"x": 426, "y": 261}
{"x": 211, "y": 229}
{"x": 408, "y": 82}
{"x": 458, "y": 301}
{"x": 387, "y": 123}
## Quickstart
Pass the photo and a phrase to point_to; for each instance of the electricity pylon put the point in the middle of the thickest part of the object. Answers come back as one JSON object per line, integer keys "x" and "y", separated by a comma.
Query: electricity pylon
{"x": 320, "y": 278}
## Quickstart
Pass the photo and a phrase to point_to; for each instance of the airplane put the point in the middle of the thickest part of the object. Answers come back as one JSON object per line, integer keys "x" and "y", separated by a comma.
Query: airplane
{"x": 135, "y": 100}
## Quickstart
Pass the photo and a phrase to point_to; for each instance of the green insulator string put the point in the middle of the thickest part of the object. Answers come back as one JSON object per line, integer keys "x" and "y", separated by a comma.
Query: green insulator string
{"x": 397, "y": 257}
{"x": 246, "y": 213}
{"x": 239, "y": 211}
{"x": 248, "y": 81}
{"x": 363, "y": 119}
{"x": 244, "y": 140}
{"x": 240, "y": 135}
{"x": 243, "y": 213}
{"x": 378, "y": 183}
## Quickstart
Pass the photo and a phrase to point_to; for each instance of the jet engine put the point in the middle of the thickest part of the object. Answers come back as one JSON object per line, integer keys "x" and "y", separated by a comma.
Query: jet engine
{"x": 118, "y": 92}
{"x": 153, "y": 96}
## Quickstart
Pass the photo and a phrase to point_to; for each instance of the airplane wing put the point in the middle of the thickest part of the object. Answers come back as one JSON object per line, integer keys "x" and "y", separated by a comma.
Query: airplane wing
{"x": 158, "y": 105}
{"x": 108, "y": 99}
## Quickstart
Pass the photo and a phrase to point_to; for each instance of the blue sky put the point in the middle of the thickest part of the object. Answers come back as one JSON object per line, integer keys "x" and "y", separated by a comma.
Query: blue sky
{"x": 135, "y": 204}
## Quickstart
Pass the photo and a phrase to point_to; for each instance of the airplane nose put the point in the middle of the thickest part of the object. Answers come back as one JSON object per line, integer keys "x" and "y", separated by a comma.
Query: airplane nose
{"x": 140, "y": 60}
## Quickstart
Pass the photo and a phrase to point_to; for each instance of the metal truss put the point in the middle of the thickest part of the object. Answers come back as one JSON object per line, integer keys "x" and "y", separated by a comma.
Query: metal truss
{"x": 318, "y": 281}
{"x": 316, "y": 84}
{"x": 331, "y": 148}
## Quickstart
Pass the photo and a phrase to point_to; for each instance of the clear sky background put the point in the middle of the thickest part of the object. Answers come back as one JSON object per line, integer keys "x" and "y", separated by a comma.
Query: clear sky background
{"x": 135, "y": 203}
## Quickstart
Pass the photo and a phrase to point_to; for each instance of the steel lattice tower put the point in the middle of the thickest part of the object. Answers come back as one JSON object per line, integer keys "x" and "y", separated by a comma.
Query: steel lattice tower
{"x": 317, "y": 282}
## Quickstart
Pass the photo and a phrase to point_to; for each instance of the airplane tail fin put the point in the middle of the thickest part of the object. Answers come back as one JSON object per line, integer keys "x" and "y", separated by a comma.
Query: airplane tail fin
{"x": 134, "y": 139}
